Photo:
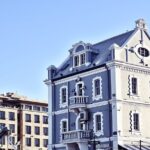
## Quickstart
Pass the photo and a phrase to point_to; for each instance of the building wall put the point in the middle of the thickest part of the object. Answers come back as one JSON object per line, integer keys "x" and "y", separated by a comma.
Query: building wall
{"x": 21, "y": 123}
{"x": 7, "y": 122}
{"x": 41, "y": 136}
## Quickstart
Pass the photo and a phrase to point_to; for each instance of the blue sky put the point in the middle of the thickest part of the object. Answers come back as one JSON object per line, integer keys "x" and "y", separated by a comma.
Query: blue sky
{"x": 35, "y": 34}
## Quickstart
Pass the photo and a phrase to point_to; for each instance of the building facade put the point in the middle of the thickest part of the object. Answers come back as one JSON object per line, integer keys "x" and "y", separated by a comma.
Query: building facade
{"x": 99, "y": 97}
{"x": 27, "y": 121}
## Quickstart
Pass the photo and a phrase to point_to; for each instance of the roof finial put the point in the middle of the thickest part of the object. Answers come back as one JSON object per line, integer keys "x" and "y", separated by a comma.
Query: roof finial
{"x": 140, "y": 24}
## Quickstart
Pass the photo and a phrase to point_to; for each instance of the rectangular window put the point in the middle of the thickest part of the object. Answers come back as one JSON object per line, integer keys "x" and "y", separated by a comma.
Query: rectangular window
{"x": 97, "y": 87}
{"x": 28, "y": 141}
{"x": 136, "y": 121}
{"x": 80, "y": 90}
{"x": 45, "y": 131}
{"x": 36, "y": 119}
{"x": 44, "y": 109}
{"x": 82, "y": 58}
{"x": 2, "y": 115}
{"x": 37, "y": 130}
{"x": 64, "y": 95}
{"x": 98, "y": 122}
{"x": 45, "y": 119}
{"x": 28, "y": 107}
{"x": 134, "y": 85}
{"x": 64, "y": 126}
{"x": 2, "y": 140}
{"x": 12, "y": 139}
{"x": 28, "y": 117}
{"x": 45, "y": 142}
{"x": 12, "y": 128}
{"x": 28, "y": 129}
{"x": 2, "y": 125}
{"x": 76, "y": 61}
{"x": 37, "y": 142}
{"x": 11, "y": 116}
{"x": 37, "y": 108}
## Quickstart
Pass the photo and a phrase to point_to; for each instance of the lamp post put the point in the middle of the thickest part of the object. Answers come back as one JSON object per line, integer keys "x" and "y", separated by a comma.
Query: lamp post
{"x": 140, "y": 145}
{"x": 92, "y": 141}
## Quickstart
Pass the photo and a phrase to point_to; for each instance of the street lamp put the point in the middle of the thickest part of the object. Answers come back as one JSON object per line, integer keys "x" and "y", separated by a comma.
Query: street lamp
{"x": 92, "y": 141}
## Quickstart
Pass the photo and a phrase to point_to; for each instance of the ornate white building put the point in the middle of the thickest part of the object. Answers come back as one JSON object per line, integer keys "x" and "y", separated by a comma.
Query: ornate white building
{"x": 103, "y": 87}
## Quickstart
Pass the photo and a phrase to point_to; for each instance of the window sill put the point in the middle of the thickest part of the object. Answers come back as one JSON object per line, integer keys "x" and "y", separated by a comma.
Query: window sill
{"x": 98, "y": 97}
{"x": 98, "y": 133}
{"x": 136, "y": 132}
{"x": 134, "y": 96}
{"x": 63, "y": 105}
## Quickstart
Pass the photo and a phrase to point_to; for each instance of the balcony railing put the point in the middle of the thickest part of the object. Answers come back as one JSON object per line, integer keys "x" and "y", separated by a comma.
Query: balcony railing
{"x": 78, "y": 101}
{"x": 76, "y": 136}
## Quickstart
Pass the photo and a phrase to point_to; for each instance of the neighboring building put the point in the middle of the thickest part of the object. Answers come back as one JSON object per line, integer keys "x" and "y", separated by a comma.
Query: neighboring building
{"x": 27, "y": 121}
{"x": 104, "y": 87}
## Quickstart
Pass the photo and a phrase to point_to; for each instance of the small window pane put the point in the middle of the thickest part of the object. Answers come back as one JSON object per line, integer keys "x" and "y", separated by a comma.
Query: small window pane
{"x": 28, "y": 141}
{"x": 28, "y": 117}
{"x": 76, "y": 60}
{"x": 12, "y": 128}
{"x": 136, "y": 121}
{"x": 36, "y": 119}
{"x": 45, "y": 119}
{"x": 97, "y": 87}
{"x": 64, "y": 126}
{"x": 11, "y": 116}
{"x": 134, "y": 85}
{"x": 82, "y": 59}
{"x": 45, "y": 131}
{"x": 37, "y": 130}
{"x": 45, "y": 142}
{"x": 28, "y": 129}
{"x": 64, "y": 92}
{"x": 2, "y": 115}
{"x": 98, "y": 122}
{"x": 37, "y": 142}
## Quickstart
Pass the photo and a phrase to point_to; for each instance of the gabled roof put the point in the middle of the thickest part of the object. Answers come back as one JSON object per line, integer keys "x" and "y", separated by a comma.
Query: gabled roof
{"x": 119, "y": 40}
{"x": 102, "y": 46}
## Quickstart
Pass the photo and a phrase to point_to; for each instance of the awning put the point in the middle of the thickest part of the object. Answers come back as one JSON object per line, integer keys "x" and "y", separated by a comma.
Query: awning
{"x": 133, "y": 147}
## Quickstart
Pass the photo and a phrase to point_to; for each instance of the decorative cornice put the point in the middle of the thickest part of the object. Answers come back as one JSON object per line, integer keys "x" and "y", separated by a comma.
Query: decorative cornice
{"x": 129, "y": 67}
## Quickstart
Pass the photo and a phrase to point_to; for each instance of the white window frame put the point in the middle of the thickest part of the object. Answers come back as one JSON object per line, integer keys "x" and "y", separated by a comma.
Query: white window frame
{"x": 101, "y": 132}
{"x": 61, "y": 125}
{"x": 80, "y": 82}
{"x": 79, "y": 56}
{"x": 84, "y": 54}
{"x": 97, "y": 97}
{"x": 63, "y": 105}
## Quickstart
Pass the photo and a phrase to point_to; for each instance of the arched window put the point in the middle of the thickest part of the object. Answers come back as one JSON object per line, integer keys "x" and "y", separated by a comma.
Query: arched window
{"x": 79, "y": 48}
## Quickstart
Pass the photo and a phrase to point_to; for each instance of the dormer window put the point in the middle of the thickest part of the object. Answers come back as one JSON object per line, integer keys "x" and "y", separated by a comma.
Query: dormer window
{"x": 79, "y": 60}
{"x": 81, "y": 54}
{"x": 82, "y": 59}
{"x": 76, "y": 61}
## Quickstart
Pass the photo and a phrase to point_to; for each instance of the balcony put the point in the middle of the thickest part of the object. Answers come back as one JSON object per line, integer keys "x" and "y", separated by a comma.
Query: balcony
{"x": 77, "y": 102}
{"x": 76, "y": 136}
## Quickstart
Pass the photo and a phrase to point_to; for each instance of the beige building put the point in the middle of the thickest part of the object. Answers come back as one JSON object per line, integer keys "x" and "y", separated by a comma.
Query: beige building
{"x": 27, "y": 121}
